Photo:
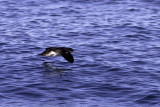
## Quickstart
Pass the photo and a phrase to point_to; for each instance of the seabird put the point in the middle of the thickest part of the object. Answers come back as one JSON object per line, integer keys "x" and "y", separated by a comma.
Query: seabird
{"x": 63, "y": 51}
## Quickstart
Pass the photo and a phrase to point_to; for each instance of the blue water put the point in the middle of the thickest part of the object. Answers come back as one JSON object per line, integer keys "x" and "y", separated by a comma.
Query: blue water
{"x": 117, "y": 59}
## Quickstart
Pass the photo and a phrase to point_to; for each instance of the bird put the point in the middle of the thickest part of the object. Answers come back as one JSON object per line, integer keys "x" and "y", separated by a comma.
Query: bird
{"x": 56, "y": 51}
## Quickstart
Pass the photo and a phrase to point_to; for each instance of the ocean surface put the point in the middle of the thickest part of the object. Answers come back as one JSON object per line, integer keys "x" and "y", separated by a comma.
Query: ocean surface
{"x": 117, "y": 58}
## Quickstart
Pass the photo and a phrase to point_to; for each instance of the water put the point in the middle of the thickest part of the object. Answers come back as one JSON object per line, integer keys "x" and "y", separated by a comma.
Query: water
{"x": 116, "y": 61}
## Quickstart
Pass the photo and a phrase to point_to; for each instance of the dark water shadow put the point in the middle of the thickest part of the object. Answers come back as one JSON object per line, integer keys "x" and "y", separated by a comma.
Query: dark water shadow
{"x": 54, "y": 70}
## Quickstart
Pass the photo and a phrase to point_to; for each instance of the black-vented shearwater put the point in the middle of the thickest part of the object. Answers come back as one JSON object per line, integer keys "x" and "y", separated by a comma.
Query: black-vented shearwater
{"x": 63, "y": 51}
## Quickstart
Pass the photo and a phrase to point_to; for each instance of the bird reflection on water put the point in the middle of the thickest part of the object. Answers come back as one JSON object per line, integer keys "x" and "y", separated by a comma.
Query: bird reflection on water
{"x": 53, "y": 70}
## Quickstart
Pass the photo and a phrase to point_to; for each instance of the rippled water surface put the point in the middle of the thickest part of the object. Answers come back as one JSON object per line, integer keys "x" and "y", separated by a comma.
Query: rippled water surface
{"x": 117, "y": 59}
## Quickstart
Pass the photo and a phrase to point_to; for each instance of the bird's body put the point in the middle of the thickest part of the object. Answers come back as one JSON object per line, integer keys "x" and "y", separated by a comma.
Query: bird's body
{"x": 63, "y": 51}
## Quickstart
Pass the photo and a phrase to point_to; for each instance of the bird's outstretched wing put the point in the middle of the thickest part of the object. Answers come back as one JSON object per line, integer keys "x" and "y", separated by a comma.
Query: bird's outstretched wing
{"x": 67, "y": 55}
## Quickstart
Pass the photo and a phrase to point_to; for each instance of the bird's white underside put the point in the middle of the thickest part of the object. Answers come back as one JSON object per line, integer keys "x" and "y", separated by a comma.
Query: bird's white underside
{"x": 52, "y": 53}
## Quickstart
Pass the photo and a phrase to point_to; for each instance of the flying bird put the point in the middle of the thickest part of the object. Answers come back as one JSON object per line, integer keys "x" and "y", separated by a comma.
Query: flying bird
{"x": 56, "y": 51}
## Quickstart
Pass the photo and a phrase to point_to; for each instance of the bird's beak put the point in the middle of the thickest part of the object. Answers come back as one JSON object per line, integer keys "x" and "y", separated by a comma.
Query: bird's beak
{"x": 41, "y": 54}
